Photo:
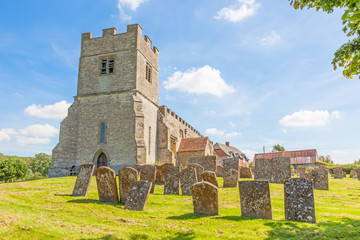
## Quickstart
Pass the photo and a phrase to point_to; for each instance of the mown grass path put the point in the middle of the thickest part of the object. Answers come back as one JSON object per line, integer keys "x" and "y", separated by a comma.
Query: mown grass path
{"x": 45, "y": 209}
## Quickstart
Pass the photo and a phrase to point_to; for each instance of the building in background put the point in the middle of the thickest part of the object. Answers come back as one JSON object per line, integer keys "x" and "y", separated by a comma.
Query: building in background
{"x": 193, "y": 147}
{"x": 226, "y": 151}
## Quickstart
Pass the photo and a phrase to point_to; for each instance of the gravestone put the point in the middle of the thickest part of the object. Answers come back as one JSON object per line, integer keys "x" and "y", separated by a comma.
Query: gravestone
{"x": 199, "y": 170}
{"x": 148, "y": 173}
{"x": 299, "y": 200}
{"x": 245, "y": 172}
{"x": 188, "y": 178}
{"x": 309, "y": 176}
{"x": 159, "y": 179}
{"x": 252, "y": 169}
{"x": 281, "y": 169}
{"x": 358, "y": 173}
{"x": 209, "y": 177}
{"x": 320, "y": 179}
{"x": 263, "y": 169}
{"x": 338, "y": 173}
{"x": 83, "y": 180}
{"x": 127, "y": 177}
{"x": 293, "y": 173}
{"x": 231, "y": 163}
{"x": 138, "y": 196}
{"x": 208, "y": 162}
{"x": 205, "y": 198}
{"x": 255, "y": 199}
{"x": 344, "y": 174}
{"x": 137, "y": 167}
{"x": 172, "y": 180}
{"x": 231, "y": 178}
{"x": 106, "y": 185}
{"x": 353, "y": 174}
{"x": 300, "y": 171}
{"x": 166, "y": 165}
{"x": 219, "y": 171}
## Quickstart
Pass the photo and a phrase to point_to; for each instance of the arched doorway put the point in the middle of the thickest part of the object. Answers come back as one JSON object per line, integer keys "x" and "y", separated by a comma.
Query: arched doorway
{"x": 102, "y": 160}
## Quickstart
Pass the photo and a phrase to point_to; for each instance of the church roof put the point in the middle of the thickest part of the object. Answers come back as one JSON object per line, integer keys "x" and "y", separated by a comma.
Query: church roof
{"x": 193, "y": 144}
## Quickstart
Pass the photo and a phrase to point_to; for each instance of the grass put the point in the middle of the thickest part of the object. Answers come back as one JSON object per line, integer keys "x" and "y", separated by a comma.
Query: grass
{"x": 45, "y": 209}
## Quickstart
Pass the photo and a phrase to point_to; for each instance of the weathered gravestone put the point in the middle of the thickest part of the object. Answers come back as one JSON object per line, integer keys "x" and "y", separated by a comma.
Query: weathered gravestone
{"x": 199, "y": 170}
{"x": 106, "y": 185}
{"x": 300, "y": 171}
{"x": 338, "y": 173}
{"x": 159, "y": 179}
{"x": 127, "y": 177}
{"x": 205, "y": 198}
{"x": 353, "y": 174}
{"x": 255, "y": 199}
{"x": 231, "y": 178}
{"x": 231, "y": 163}
{"x": 138, "y": 195}
{"x": 358, "y": 173}
{"x": 263, "y": 169}
{"x": 172, "y": 180}
{"x": 275, "y": 170}
{"x": 188, "y": 178}
{"x": 209, "y": 177}
{"x": 137, "y": 167}
{"x": 293, "y": 173}
{"x": 245, "y": 172}
{"x": 166, "y": 165}
{"x": 299, "y": 200}
{"x": 83, "y": 180}
{"x": 309, "y": 175}
{"x": 344, "y": 174}
{"x": 320, "y": 179}
{"x": 208, "y": 162}
{"x": 148, "y": 173}
{"x": 219, "y": 171}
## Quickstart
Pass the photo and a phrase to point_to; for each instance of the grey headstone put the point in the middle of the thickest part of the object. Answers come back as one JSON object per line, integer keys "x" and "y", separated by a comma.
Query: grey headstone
{"x": 83, "y": 180}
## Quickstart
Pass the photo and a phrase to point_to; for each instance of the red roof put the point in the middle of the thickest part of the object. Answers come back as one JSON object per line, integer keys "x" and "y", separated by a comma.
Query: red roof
{"x": 296, "y": 157}
{"x": 220, "y": 153}
{"x": 193, "y": 144}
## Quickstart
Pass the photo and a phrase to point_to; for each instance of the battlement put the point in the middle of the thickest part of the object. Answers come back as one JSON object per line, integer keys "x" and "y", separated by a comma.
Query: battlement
{"x": 129, "y": 39}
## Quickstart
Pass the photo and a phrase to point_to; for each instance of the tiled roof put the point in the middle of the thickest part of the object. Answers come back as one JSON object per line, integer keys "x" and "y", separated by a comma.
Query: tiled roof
{"x": 220, "y": 153}
{"x": 229, "y": 151}
{"x": 296, "y": 157}
{"x": 193, "y": 144}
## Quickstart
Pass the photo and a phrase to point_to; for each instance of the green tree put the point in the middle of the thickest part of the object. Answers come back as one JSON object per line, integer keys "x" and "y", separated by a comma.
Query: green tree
{"x": 357, "y": 161}
{"x": 10, "y": 169}
{"x": 326, "y": 159}
{"x": 348, "y": 55}
{"x": 40, "y": 164}
{"x": 278, "y": 148}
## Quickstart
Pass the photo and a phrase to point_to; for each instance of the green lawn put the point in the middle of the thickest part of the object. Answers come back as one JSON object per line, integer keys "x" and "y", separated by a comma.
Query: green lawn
{"x": 45, "y": 209}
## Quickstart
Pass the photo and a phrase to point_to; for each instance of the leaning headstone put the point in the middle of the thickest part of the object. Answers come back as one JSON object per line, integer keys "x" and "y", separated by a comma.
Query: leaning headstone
{"x": 300, "y": 171}
{"x": 127, "y": 177}
{"x": 219, "y": 171}
{"x": 231, "y": 178}
{"x": 281, "y": 169}
{"x": 172, "y": 180}
{"x": 255, "y": 199}
{"x": 320, "y": 179}
{"x": 338, "y": 173}
{"x": 148, "y": 173}
{"x": 188, "y": 179}
{"x": 83, "y": 180}
{"x": 199, "y": 170}
{"x": 209, "y": 177}
{"x": 106, "y": 185}
{"x": 208, "y": 162}
{"x": 245, "y": 172}
{"x": 205, "y": 198}
{"x": 231, "y": 163}
{"x": 159, "y": 179}
{"x": 263, "y": 169}
{"x": 299, "y": 200}
{"x": 138, "y": 195}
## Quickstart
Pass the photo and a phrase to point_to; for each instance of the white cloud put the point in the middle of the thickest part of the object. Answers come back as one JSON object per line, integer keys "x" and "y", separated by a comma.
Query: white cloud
{"x": 205, "y": 80}
{"x": 214, "y": 131}
{"x": 23, "y": 141}
{"x": 40, "y": 130}
{"x": 272, "y": 39}
{"x": 306, "y": 118}
{"x": 239, "y": 11}
{"x": 5, "y": 134}
{"x": 232, "y": 134}
{"x": 284, "y": 131}
{"x": 249, "y": 153}
{"x": 131, "y": 4}
{"x": 56, "y": 111}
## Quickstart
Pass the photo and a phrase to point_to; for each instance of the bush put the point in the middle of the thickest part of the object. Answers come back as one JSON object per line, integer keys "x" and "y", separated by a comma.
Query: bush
{"x": 12, "y": 169}
{"x": 347, "y": 168}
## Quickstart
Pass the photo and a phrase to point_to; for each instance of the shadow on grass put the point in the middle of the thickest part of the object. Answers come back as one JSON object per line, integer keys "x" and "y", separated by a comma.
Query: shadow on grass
{"x": 93, "y": 201}
{"x": 64, "y": 195}
{"x": 345, "y": 229}
{"x": 188, "y": 216}
{"x": 236, "y": 218}
{"x": 177, "y": 236}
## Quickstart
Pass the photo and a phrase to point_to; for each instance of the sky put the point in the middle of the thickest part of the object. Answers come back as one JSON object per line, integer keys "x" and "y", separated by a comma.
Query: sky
{"x": 254, "y": 73}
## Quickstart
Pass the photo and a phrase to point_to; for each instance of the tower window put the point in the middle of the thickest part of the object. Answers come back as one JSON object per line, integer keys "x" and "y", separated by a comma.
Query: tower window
{"x": 107, "y": 65}
{"x": 111, "y": 65}
{"x": 103, "y": 66}
{"x": 148, "y": 72}
{"x": 102, "y": 135}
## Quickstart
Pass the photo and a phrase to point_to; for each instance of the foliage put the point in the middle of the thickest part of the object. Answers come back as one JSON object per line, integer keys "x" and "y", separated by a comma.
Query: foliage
{"x": 278, "y": 148}
{"x": 326, "y": 159}
{"x": 12, "y": 169}
{"x": 40, "y": 164}
{"x": 346, "y": 167}
{"x": 348, "y": 56}
{"x": 357, "y": 161}
{"x": 325, "y": 163}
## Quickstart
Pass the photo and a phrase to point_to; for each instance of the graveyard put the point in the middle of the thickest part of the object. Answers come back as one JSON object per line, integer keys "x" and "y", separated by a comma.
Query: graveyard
{"x": 46, "y": 209}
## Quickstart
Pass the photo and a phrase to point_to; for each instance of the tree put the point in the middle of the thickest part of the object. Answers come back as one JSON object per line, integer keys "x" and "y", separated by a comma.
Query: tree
{"x": 348, "y": 55}
{"x": 326, "y": 159}
{"x": 278, "y": 148}
{"x": 357, "y": 161}
{"x": 40, "y": 164}
{"x": 10, "y": 169}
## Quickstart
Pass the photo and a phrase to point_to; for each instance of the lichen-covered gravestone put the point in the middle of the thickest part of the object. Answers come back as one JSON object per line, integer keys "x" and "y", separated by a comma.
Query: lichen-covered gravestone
{"x": 219, "y": 171}
{"x": 231, "y": 163}
{"x": 127, "y": 177}
{"x": 188, "y": 178}
{"x": 281, "y": 169}
{"x": 231, "y": 178}
{"x": 148, "y": 173}
{"x": 138, "y": 196}
{"x": 358, "y": 173}
{"x": 300, "y": 171}
{"x": 106, "y": 185}
{"x": 208, "y": 162}
{"x": 320, "y": 179}
{"x": 209, "y": 177}
{"x": 164, "y": 166}
{"x": 83, "y": 180}
{"x": 255, "y": 199}
{"x": 159, "y": 179}
{"x": 299, "y": 200}
{"x": 245, "y": 172}
{"x": 338, "y": 173}
{"x": 199, "y": 170}
{"x": 263, "y": 169}
{"x": 205, "y": 198}
{"x": 172, "y": 180}
{"x": 353, "y": 174}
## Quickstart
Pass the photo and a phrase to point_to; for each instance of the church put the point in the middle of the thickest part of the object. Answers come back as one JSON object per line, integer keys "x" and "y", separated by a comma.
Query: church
{"x": 115, "y": 119}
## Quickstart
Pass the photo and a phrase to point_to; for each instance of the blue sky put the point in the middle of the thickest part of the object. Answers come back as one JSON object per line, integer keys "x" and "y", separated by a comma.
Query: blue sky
{"x": 252, "y": 72}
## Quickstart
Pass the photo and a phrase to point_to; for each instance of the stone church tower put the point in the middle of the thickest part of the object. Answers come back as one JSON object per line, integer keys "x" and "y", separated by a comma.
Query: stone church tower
{"x": 115, "y": 119}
